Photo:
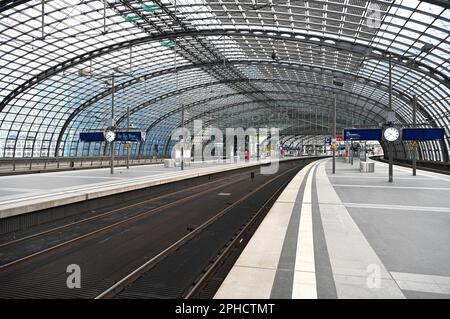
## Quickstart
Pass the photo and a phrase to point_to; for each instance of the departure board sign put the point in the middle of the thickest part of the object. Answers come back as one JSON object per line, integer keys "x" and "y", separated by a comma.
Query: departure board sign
{"x": 362, "y": 134}
{"x": 120, "y": 137}
{"x": 422, "y": 134}
{"x": 129, "y": 136}
{"x": 92, "y": 137}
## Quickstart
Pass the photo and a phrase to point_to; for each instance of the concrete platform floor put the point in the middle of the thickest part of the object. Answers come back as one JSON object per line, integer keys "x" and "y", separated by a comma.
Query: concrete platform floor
{"x": 350, "y": 235}
{"x": 21, "y": 194}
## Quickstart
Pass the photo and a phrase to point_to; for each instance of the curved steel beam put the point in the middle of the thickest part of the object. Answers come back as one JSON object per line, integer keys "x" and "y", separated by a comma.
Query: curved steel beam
{"x": 296, "y": 138}
{"x": 187, "y": 107}
{"x": 9, "y": 4}
{"x": 355, "y": 77}
{"x": 200, "y": 115}
{"x": 203, "y": 85}
{"x": 292, "y": 119}
{"x": 223, "y": 107}
{"x": 291, "y": 65}
{"x": 217, "y": 97}
{"x": 284, "y": 138}
{"x": 290, "y": 137}
{"x": 173, "y": 93}
{"x": 291, "y": 82}
{"x": 344, "y": 45}
{"x": 133, "y": 81}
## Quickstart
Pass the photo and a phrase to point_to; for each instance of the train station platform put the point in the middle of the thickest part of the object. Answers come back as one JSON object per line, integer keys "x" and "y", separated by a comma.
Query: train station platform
{"x": 350, "y": 235}
{"x": 22, "y": 194}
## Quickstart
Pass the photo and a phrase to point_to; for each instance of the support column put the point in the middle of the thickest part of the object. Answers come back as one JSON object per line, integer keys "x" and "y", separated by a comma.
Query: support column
{"x": 414, "y": 148}
{"x": 112, "y": 122}
{"x": 334, "y": 137}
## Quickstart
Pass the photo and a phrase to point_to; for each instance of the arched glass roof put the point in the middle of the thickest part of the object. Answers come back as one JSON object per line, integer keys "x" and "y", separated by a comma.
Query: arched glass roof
{"x": 229, "y": 62}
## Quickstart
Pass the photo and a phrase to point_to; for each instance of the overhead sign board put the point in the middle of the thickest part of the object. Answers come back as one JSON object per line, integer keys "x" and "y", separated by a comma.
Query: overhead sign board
{"x": 129, "y": 136}
{"x": 135, "y": 136}
{"x": 339, "y": 138}
{"x": 362, "y": 134}
{"x": 422, "y": 134}
{"x": 92, "y": 137}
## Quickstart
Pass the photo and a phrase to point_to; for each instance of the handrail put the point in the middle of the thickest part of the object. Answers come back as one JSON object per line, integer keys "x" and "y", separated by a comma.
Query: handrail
{"x": 42, "y": 164}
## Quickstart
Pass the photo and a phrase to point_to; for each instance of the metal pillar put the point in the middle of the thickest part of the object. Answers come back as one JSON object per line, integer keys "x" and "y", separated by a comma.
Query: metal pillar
{"x": 391, "y": 161}
{"x": 365, "y": 151}
{"x": 182, "y": 144}
{"x": 334, "y": 137}
{"x": 257, "y": 144}
{"x": 112, "y": 122}
{"x": 391, "y": 155}
{"x": 414, "y": 150}
{"x": 351, "y": 152}
{"x": 128, "y": 137}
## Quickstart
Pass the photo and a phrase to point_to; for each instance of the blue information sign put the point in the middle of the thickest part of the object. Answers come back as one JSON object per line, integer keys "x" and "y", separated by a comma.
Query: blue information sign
{"x": 328, "y": 140}
{"x": 120, "y": 137}
{"x": 129, "y": 136}
{"x": 92, "y": 137}
{"x": 422, "y": 134}
{"x": 362, "y": 134}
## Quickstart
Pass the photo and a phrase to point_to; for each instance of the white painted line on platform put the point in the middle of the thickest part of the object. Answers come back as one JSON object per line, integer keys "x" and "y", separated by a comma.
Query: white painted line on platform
{"x": 153, "y": 171}
{"x": 84, "y": 177}
{"x": 422, "y": 283}
{"x": 17, "y": 189}
{"x": 119, "y": 182}
{"x": 122, "y": 183}
{"x": 399, "y": 207}
{"x": 419, "y": 172}
{"x": 359, "y": 175}
{"x": 393, "y": 187}
{"x": 224, "y": 194}
{"x": 304, "y": 286}
{"x": 354, "y": 262}
{"x": 253, "y": 274}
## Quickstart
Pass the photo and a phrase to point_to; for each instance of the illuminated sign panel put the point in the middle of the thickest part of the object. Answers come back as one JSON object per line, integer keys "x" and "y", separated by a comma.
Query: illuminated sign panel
{"x": 92, "y": 137}
{"x": 422, "y": 134}
{"x": 120, "y": 137}
{"x": 362, "y": 134}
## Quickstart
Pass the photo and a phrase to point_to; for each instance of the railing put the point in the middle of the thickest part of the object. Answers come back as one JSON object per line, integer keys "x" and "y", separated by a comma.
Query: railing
{"x": 45, "y": 164}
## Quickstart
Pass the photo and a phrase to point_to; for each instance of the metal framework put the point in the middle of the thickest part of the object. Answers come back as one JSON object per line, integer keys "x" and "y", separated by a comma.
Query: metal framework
{"x": 222, "y": 59}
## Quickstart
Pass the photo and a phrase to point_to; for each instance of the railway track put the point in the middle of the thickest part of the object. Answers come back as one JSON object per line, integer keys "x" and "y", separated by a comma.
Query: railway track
{"x": 130, "y": 287}
{"x": 122, "y": 220}
{"x": 110, "y": 253}
{"x": 234, "y": 245}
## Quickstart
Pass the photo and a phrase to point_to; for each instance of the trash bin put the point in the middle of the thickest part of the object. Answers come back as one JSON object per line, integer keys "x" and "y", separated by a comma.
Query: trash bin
{"x": 366, "y": 167}
{"x": 168, "y": 163}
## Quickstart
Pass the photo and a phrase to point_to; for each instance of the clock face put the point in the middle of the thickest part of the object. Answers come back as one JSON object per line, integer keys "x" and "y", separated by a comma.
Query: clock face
{"x": 391, "y": 134}
{"x": 110, "y": 136}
